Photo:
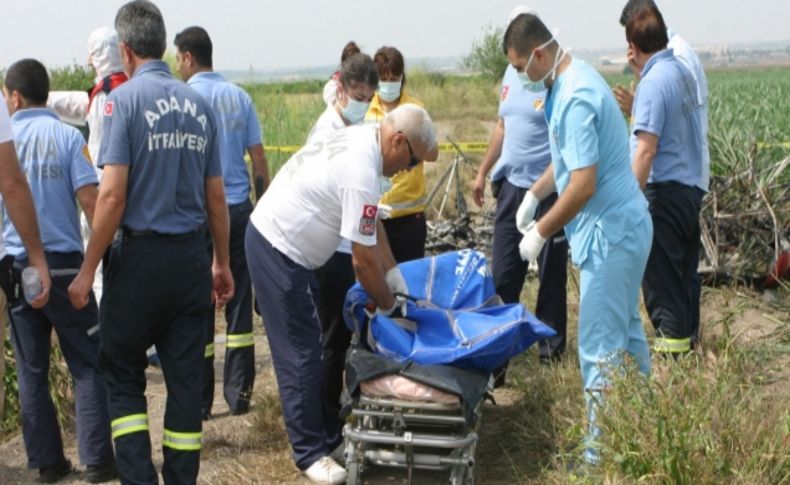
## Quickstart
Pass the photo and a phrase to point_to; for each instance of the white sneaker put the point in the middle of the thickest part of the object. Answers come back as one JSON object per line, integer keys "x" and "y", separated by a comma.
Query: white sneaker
{"x": 339, "y": 454}
{"x": 326, "y": 472}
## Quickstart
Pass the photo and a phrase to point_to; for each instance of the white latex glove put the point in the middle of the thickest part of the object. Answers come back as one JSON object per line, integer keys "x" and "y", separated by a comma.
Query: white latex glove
{"x": 384, "y": 211}
{"x": 396, "y": 282}
{"x": 531, "y": 243}
{"x": 526, "y": 211}
{"x": 400, "y": 304}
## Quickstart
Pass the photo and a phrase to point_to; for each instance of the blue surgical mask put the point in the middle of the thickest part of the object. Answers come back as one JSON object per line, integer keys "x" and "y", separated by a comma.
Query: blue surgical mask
{"x": 389, "y": 91}
{"x": 538, "y": 86}
{"x": 354, "y": 112}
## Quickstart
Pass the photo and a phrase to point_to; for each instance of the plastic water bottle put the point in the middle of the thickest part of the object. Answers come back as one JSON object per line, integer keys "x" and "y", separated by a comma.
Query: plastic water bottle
{"x": 31, "y": 283}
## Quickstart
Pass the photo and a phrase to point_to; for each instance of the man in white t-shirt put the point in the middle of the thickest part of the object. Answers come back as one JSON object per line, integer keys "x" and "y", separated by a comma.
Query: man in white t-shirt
{"x": 327, "y": 191}
{"x": 19, "y": 202}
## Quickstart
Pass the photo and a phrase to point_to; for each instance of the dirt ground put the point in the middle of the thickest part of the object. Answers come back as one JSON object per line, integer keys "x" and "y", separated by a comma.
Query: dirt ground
{"x": 237, "y": 448}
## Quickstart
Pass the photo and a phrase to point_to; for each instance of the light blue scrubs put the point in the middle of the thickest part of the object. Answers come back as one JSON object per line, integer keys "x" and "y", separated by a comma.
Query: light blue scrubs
{"x": 610, "y": 237}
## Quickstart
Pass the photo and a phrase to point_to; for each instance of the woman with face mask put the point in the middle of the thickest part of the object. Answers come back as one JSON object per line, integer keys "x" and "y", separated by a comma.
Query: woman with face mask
{"x": 402, "y": 207}
{"x": 356, "y": 85}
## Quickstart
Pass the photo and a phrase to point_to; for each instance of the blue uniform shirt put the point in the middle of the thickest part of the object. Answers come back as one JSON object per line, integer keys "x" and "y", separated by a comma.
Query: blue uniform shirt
{"x": 525, "y": 149}
{"x": 666, "y": 105}
{"x": 586, "y": 128}
{"x": 238, "y": 129}
{"x": 166, "y": 133}
{"x": 54, "y": 157}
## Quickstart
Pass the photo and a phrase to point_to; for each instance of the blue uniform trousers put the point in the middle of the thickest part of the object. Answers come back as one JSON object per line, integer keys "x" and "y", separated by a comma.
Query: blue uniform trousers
{"x": 77, "y": 331}
{"x": 609, "y": 322}
{"x": 286, "y": 294}
{"x": 157, "y": 291}
{"x": 239, "y": 372}
{"x": 334, "y": 278}
{"x": 668, "y": 284}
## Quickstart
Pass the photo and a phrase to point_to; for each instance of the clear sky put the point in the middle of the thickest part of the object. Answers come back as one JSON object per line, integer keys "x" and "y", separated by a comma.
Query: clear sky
{"x": 284, "y": 34}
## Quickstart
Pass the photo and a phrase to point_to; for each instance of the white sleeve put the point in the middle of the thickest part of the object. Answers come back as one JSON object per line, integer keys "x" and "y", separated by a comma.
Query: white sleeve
{"x": 70, "y": 106}
{"x": 358, "y": 223}
{"x": 330, "y": 92}
{"x": 6, "y": 133}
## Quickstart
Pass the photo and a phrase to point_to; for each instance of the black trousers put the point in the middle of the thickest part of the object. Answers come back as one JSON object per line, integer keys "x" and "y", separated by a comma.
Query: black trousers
{"x": 668, "y": 282}
{"x": 407, "y": 235}
{"x": 78, "y": 337}
{"x": 509, "y": 270}
{"x": 239, "y": 372}
{"x": 157, "y": 291}
{"x": 334, "y": 280}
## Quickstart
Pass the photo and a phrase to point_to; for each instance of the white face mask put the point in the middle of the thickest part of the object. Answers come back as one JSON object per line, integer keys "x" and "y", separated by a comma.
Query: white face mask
{"x": 389, "y": 91}
{"x": 538, "y": 86}
{"x": 354, "y": 112}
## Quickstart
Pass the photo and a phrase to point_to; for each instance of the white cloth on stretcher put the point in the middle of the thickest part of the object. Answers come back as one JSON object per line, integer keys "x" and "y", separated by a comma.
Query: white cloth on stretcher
{"x": 399, "y": 387}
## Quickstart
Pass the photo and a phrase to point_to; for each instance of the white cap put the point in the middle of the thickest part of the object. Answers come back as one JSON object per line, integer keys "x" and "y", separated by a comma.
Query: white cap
{"x": 521, "y": 9}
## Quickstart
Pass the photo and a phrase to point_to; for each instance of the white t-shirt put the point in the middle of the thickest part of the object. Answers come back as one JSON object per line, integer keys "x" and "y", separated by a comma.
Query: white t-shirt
{"x": 326, "y": 191}
{"x": 329, "y": 122}
{"x": 6, "y": 135}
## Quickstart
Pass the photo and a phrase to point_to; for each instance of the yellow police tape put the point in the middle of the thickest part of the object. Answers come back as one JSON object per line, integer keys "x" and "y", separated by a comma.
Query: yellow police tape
{"x": 479, "y": 147}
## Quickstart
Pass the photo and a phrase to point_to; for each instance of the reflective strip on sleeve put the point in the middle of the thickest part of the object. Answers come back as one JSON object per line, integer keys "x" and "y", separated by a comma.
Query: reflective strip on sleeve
{"x": 129, "y": 424}
{"x": 672, "y": 345}
{"x": 239, "y": 340}
{"x": 209, "y": 350}
{"x": 181, "y": 441}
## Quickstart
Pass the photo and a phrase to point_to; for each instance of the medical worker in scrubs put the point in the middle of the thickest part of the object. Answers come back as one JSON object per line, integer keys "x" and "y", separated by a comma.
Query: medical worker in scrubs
{"x": 600, "y": 206}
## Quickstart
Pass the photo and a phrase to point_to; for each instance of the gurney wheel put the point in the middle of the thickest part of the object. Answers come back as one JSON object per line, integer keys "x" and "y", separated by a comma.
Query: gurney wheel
{"x": 354, "y": 471}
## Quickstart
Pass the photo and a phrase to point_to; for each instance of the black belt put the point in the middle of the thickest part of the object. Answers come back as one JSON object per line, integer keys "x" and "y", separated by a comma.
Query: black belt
{"x": 128, "y": 232}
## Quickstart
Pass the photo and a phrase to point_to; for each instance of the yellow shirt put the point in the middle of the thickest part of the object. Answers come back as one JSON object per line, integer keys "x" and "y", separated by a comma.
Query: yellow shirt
{"x": 407, "y": 195}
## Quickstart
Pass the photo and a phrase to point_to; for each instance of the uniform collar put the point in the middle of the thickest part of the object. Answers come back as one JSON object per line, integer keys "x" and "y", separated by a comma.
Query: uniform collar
{"x": 656, "y": 58}
{"x": 28, "y": 113}
{"x": 205, "y": 76}
{"x": 151, "y": 66}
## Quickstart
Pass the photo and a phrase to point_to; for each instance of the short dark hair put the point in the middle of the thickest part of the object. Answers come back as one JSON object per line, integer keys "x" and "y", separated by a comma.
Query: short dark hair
{"x": 633, "y": 6}
{"x": 349, "y": 50}
{"x": 196, "y": 41}
{"x": 646, "y": 30}
{"x": 358, "y": 68}
{"x": 30, "y": 78}
{"x": 525, "y": 33}
{"x": 141, "y": 27}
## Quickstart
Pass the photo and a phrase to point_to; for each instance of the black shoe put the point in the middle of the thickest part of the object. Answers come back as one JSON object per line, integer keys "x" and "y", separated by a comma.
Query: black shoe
{"x": 100, "y": 473}
{"x": 53, "y": 473}
{"x": 240, "y": 411}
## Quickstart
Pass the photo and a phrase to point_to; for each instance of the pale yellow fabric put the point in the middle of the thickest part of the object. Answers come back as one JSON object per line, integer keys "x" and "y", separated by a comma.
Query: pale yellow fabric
{"x": 407, "y": 195}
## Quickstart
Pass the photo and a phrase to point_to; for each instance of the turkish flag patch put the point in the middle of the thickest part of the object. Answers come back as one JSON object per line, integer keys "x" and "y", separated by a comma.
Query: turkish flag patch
{"x": 505, "y": 90}
{"x": 108, "y": 108}
{"x": 367, "y": 223}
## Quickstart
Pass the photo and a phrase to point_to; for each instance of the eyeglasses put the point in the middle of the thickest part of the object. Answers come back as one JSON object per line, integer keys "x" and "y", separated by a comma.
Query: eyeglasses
{"x": 413, "y": 161}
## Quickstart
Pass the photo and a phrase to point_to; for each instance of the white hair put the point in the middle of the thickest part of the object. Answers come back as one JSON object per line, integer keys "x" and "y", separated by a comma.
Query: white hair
{"x": 414, "y": 122}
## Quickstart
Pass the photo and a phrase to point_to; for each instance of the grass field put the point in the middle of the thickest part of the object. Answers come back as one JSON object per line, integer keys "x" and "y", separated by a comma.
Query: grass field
{"x": 720, "y": 415}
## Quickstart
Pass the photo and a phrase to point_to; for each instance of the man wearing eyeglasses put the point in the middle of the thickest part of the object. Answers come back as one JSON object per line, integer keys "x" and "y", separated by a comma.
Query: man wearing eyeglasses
{"x": 326, "y": 191}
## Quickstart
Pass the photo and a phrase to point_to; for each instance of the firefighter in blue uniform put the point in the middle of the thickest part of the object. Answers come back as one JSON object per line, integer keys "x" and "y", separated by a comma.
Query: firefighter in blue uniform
{"x": 57, "y": 163}
{"x": 162, "y": 183}
{"x": 239, "y": 131}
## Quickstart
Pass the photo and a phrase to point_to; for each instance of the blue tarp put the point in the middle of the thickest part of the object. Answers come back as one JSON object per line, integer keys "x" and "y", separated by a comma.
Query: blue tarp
{"x": 457, "y": 319}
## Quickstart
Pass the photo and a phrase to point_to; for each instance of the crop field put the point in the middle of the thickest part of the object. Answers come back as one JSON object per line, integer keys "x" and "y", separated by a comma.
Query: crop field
{"x": 719, "y": 415}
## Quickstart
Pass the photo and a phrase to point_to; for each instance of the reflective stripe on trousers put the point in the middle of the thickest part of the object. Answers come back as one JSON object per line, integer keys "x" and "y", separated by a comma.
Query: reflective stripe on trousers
{"x": 209, "y": 352}
{"x": 672, "y": 345}
{"x": 239, "y": 340}
{"x": 131, "y": 423}
{"x": 181, "y": 441}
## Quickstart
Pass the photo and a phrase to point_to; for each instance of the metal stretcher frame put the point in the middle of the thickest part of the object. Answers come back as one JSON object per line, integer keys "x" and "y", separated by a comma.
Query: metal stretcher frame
{"x": 412, "y": 435}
